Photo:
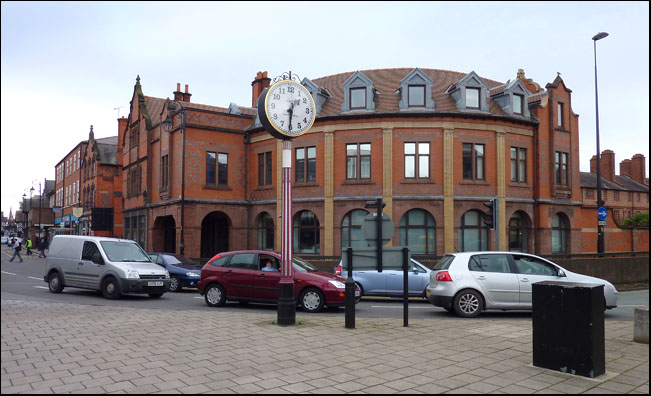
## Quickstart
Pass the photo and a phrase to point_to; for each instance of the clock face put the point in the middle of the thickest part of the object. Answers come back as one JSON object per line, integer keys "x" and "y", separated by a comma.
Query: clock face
{"x": 289, "y": 109}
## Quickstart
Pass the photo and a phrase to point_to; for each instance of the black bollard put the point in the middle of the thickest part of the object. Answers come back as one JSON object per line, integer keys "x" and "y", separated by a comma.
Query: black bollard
{"x": 350, "y": 292}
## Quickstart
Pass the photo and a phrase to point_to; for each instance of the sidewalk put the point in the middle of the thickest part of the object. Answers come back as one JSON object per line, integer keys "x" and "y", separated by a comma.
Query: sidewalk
{"x": 62, "y": 348}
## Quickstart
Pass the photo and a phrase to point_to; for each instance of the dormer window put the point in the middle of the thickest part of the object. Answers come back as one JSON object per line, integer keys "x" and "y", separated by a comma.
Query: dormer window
{"x": 416, "y": 96}
{"x": 357, "y": 98}
{"x": 472, "y": 98}
{"x": 517, "y": 103}
{"x": 359, "y": 93}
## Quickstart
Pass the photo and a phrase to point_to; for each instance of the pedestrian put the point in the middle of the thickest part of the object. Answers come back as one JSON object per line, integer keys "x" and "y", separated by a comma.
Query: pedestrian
{"x": 41, "y": 248}
{"x": 28, "y": 245}
{"x": 17, "y": 249}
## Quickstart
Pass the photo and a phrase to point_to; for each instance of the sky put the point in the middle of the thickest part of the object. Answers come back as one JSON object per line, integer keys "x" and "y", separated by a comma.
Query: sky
{"x": 69, "y": 65}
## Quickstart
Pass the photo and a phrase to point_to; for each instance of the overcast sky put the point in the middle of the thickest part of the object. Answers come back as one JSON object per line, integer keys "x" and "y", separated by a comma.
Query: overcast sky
{"x": 66, "y": 66}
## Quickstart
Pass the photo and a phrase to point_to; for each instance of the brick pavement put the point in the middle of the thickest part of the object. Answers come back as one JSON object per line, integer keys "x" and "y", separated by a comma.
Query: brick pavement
{"x": 68, "y": 348}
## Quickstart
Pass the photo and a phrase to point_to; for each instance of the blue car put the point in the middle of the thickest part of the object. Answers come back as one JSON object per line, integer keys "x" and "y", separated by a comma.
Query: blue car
{"x": 183, "y": 271}
{"x": 390, "y": 282}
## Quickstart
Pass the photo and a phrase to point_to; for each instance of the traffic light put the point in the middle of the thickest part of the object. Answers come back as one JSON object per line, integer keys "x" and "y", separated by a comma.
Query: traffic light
{"x": 489, "y": 218}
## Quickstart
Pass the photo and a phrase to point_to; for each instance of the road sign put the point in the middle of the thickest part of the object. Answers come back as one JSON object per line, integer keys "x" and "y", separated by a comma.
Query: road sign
{"x": 602, "y": 213}
{"x": 369, "y": 229}
{"x": 603, "y": 223}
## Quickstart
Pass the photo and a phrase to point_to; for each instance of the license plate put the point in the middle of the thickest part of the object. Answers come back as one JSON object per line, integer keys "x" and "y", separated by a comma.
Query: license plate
{"x": 160, "y": 283}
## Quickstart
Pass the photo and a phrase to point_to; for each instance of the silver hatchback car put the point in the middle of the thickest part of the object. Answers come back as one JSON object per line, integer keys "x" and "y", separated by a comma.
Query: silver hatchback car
{"x": 468, "y": 283}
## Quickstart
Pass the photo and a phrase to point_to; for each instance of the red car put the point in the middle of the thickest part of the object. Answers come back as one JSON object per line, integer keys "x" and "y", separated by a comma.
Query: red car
{"x": 242, "y": 276}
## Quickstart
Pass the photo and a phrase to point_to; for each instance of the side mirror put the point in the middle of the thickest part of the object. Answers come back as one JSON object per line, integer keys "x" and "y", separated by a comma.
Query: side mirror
{"x": 561, "y": 274}
{"x": 97, "y": 259}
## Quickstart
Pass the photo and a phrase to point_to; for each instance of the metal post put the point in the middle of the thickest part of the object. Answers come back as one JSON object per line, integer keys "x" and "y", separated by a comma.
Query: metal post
{"x": 379, "y": 234}
{"x": 405, "y": 285}
{"x": 350, "y": 292}
{"x": 600, "y": 228}
{"x": 286, "y": 303}
{"x": 40, "y": 209}
{"x": 182, "y": 245}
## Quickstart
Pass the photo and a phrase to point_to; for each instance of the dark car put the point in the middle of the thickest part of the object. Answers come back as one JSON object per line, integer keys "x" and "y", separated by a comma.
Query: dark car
{"x": 239, "y": 276}
{"x": 183, "y": 271}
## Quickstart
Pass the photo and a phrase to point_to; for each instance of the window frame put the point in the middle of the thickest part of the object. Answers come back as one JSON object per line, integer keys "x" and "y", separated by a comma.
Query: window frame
{"x": 474, "y": 161}
{"x": 474, "y": 89}
{"x": 358, "y": 161}
{"x": 561, "y": 168}
{"x": 265, "y": 169}
{"x": 350, "y": 98}
{"x": 305, "y": 165}
{"x": 519, "y": 176}
{"x": 424, "y": 99}
{"x": 417, "y": 156}
{"x": 521, "y": 97}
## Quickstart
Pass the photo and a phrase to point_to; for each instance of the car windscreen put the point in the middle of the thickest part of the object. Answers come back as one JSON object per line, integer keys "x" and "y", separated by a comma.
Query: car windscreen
{"x": 175, "y": 259}
{"x": 303, "y": 266}
{"x": 443, "y": 263}
{"x": 124, "y": 251}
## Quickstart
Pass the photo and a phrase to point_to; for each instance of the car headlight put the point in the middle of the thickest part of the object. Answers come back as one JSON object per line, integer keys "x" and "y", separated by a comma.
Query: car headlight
{"x": 133, "y": 275}
{"x": 167, "y": 274}
{"x": 192, "y": 274}
{"x": 337, "y": 284}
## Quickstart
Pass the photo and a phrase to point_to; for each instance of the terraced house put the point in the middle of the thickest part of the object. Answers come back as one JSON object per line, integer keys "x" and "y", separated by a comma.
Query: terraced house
{"x": 433, "y": 144}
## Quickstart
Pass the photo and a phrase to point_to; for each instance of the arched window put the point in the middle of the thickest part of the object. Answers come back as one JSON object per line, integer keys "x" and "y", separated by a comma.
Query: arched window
{"x": 519, "y": 233}
{"x": 351, "y": 229}
{"x": 560, "y": 233}
{"x": 265, "y": 232}
{"x": 418, "y": 231}
{"x": 307, "y": 235}
{"x": 473, "y": 233}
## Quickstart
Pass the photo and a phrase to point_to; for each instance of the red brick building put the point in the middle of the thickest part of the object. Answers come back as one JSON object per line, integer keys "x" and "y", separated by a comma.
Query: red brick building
{"x": 434, "y": 144}
{"x": 68, "y": 187}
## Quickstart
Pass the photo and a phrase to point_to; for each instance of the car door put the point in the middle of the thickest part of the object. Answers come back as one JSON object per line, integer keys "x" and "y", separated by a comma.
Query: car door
{"x": 267, "y": 283}
{"x": 240, "y": 276}
{"x": 372, "y": 281}
{"x": 88, "y": 272}
{"x": 497, "y": 280}
{"x": 416, "y": 275}
{"x": 531, "y": 270}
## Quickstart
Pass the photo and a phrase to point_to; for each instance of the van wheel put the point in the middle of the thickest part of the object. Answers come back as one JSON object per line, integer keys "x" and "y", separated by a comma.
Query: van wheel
{"x": 55, "y": 283}
{"x": 111, "y": 289}
{"x": 215, "y": 296}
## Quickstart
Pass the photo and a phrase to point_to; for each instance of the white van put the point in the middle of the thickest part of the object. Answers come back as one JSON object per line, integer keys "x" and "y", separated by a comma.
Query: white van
{"x": 113, "y": 266}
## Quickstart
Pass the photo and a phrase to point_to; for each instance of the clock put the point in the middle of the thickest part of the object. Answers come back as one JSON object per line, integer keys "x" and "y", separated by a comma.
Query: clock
{"x": 287, "y": 109}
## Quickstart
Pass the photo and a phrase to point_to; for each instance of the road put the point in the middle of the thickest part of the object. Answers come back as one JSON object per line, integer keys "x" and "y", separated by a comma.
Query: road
{"x": 25, "y": 281}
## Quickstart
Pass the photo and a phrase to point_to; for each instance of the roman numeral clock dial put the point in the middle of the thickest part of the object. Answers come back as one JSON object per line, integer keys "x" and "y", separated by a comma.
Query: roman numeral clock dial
{"x": 287, "y": 110}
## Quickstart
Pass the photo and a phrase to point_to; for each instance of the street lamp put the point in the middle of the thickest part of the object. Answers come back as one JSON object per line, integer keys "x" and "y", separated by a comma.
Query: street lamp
{"x": 600, "y": 228}
{"x": 167, "y": 126}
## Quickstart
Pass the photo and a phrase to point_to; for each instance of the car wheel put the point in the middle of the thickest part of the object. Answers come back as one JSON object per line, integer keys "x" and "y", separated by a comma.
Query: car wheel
{"x": 111, "y": 289}
{"x": 468, "y": 304}
{"x": 312, "y": 300}
{"x": 55, "y": 283}
{"x": 175, "y": 284}
{"x": 215, "y": 296}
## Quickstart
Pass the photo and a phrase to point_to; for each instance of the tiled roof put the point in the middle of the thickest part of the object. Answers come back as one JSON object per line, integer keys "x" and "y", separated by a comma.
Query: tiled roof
{"x": 630, "y": 184}
{"x": 387, "y": 81}
{"x": 624, "y": 183}
{"x": 154, "y": 109}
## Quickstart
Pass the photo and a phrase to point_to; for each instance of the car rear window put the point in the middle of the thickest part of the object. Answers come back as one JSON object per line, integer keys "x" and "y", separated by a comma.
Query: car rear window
{"x": 444, "y": 263}
{"x": 220, "y": 262}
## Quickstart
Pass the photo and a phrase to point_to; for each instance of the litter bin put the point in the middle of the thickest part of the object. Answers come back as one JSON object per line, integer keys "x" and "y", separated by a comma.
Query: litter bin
{"x": 569, "y": 328}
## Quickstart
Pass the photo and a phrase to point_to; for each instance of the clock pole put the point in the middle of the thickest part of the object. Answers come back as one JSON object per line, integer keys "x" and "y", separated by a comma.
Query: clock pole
{"x": 286, "y": 303}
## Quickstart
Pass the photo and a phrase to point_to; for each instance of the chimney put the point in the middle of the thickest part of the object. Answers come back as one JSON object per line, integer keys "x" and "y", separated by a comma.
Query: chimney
{"x": 178, "y": 95}
{"x": 638, "y": 168}
{"x": 608, "y": 165}
{"x": 186, "y": 94}
{"x": 122, "y": 128}
{"x": 625, "y": 168}
{"x": 259, "y": 84}
{"x": 593, "y": 164}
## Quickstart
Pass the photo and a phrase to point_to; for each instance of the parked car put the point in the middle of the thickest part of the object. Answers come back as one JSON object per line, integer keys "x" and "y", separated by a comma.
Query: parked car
{"x": 110, "y": 265}
{"x": 4, "y": 240}
{"x": 468, "y": 283}
{"x": 183, "y": 271}
{"x": 239, "y": 276}
{"x": 389, "y": 282}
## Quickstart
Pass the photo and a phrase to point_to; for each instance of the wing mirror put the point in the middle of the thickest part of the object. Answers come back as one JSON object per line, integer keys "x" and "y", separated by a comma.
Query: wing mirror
{"x": 561, "y": 274}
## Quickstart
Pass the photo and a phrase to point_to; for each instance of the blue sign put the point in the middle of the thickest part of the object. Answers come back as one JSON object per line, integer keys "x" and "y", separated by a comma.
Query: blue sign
{"x": 602, "y": 213}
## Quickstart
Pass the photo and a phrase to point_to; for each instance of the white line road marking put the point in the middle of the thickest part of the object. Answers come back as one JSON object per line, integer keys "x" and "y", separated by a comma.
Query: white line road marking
{"x": 41, "y": 287}
{"x": 8, "y": 273}
{"x": 38, "y": 279}
{"x": 198, "y": 297}
{"x": 400, "y": 307}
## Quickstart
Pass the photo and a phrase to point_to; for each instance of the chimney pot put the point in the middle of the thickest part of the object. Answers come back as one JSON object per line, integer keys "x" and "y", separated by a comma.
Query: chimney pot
{"x": 186, "y": 88}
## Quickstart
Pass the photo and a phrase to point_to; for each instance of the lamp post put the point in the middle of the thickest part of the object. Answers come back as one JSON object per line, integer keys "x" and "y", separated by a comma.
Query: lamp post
{"x": 40, "y": 209}
{"x": 167, "y": 125}
{"x": 600, "y": 228}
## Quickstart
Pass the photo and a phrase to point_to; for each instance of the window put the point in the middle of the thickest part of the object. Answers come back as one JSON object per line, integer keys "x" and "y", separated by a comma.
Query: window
{"x": 559, "y": 115}
{"x": 265, "y": 232}
{"x": 498, "y": 263}
{"x": 518, "y": 164}
{"x": 134, "y": 137}
{"x": 560, "y": 230}
{"x": 417, "y": 160}
{"x": 416, "y": 96}
{"x": 265, "y": 169}
{"x": 561, "y": 169}
{"x": 164, "y": 172}
{"x": 472, "y": 98}
{"x": 243, "y": 261}
{"x": 351, "y": 229}
{"x": 358, "y": 154}
{"x": 589, "y": 193}
{"x": 305, "y": 166}
{"x": 418, "y": 231}
{"x": 473, "y": 233}
{"x": 518, "y": 100}
{"x": 306, "y": 233}
{"x": 88, "y": 250}
{"x": 616, "y": 193}
{"x": 533, "y": 266}
{"x": 519, "y": 233}
{"x": 357, "y": 98}
{"x": 216, "y": 169}
{"x": 473, "y": 161}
